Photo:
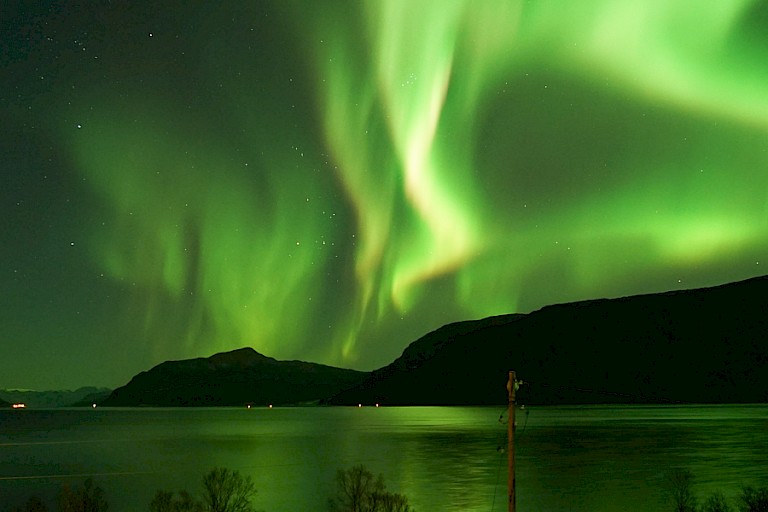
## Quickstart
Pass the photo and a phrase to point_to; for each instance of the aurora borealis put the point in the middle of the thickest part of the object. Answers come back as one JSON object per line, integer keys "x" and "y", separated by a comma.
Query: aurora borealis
{"x": 330, "y": 180}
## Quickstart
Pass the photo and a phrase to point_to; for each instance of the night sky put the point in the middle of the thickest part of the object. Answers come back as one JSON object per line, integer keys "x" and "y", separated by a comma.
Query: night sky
{"x": 330, "y": 180}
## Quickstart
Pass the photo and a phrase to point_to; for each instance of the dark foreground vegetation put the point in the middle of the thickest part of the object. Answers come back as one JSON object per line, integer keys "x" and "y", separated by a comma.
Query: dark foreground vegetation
{"x": 225, "y": 490}
{"x": 682, "y": 498}
{"x": 357, "y": 490}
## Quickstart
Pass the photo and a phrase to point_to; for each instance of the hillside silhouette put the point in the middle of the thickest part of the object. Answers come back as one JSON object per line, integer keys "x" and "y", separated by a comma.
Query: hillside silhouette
{"x": 705, "y": 345}
{"x": 242, "y": 376}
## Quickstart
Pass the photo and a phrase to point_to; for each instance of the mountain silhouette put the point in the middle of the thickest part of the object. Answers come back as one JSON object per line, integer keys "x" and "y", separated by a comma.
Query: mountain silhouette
{"x": 240, "y": 377}
{"x": 706, "y": 345}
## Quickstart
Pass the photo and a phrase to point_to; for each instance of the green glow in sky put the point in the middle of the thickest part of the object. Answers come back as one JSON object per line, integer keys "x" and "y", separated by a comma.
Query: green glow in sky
{"x": 331, "y": 180}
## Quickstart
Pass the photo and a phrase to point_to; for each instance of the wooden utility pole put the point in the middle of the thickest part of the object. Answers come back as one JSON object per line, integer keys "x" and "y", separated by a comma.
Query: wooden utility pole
{"x": 511, "y": 385}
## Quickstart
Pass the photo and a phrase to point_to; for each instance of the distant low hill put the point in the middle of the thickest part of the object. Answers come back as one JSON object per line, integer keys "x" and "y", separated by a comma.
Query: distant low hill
{"x": 95, "y": 397}
{"x": 239, "y": 377}
{"x": 706, "y": 345}
{"x": 52, "y": 398}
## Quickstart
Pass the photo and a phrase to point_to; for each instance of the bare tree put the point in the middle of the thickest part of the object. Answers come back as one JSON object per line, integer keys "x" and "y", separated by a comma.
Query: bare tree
{"x": 357, "y": 490}
{"x": 164, "y": 501}
{"x": 716, "y": 503}
{"x": 89, "y": 498}
{"x": 754, "y": 500}
{"x": 225, "y": 490}
{"x": 394, "y": 502}
{"x": 34, "y": 504}
{"x": 679, "y": 489}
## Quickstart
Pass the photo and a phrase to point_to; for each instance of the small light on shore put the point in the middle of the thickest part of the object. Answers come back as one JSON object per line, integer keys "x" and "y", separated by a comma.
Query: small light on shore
{"x": 359, "y": 405}
{"x": 93, "y": 405}
{"x": 248, "y": 406}
{"x": 377, "y": 404}
{"x": 270, "y": 406}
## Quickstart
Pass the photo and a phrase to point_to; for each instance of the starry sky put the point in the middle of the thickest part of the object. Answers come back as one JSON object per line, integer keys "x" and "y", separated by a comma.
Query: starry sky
{"x": 330, "y": 180}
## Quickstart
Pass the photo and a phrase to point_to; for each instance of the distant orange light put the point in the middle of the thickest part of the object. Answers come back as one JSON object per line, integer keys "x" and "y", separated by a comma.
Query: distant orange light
{"x": 19, "y": 406}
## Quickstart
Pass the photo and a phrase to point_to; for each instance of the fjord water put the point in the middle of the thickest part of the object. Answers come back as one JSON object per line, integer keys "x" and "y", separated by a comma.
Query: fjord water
{"x": 591, "y": 458}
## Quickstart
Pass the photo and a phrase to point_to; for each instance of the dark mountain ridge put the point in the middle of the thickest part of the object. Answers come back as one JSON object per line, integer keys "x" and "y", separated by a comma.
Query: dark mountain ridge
{"x": 242, "y": 376}
{"x": 52, "y": 398}
{"x": 706, "y": 345}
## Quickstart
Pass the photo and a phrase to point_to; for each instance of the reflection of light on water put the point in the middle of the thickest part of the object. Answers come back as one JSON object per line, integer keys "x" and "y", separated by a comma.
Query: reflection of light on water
{"x": 576, "y": 458}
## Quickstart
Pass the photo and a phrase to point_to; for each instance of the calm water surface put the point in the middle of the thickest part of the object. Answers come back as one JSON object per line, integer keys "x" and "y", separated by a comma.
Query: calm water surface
{"x": 443, "y": 458}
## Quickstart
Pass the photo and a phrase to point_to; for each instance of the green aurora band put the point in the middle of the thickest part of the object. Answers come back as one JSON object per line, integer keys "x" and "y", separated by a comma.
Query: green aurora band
{"x": 391, "y": 166}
